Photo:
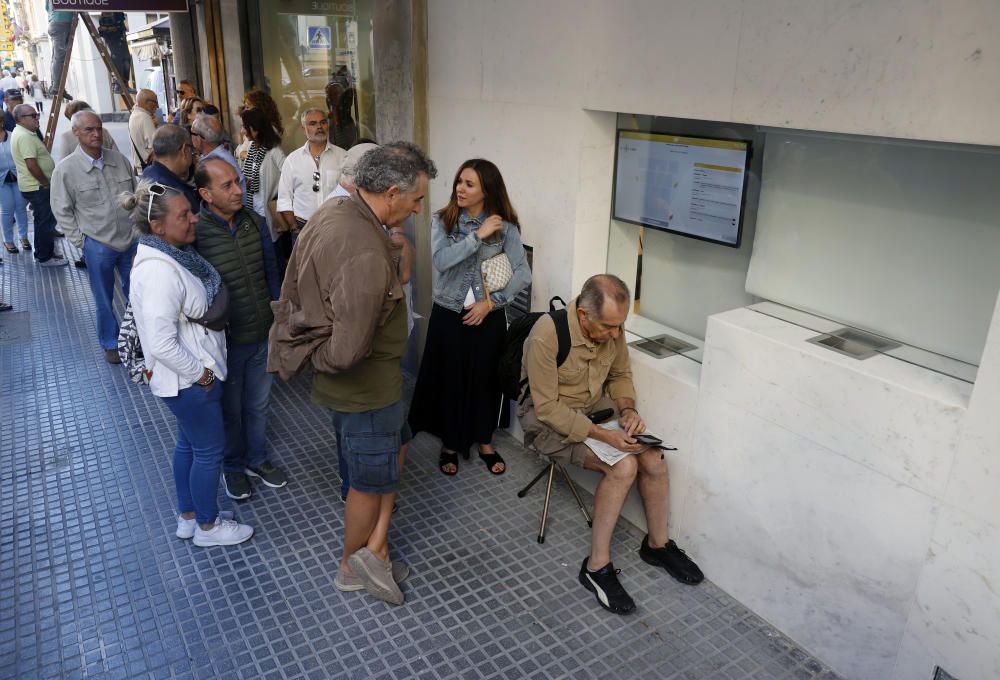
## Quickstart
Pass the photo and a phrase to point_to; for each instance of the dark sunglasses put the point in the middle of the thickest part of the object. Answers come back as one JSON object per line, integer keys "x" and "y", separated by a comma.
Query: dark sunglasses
{"x": 316, "y": 181}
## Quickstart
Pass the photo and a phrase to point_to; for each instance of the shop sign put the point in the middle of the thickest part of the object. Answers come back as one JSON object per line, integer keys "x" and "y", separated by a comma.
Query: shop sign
{"x": 6, "y": 47}
{"x": 337, "y": 8}
{"x": 120, "y": 5}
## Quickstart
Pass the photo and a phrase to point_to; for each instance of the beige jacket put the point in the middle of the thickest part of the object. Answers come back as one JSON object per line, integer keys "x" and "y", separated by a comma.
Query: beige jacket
{"x": 563, "y": 396}
{"x": 340, "y": 286}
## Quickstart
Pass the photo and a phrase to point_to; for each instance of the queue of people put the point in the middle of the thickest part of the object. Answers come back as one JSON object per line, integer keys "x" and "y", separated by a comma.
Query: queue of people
{"x": 242, "y": 262}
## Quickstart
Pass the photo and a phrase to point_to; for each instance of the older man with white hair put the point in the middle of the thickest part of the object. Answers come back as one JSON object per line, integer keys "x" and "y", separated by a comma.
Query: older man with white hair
{"x": 85, "y": 188}
{"x": 208, "y": 137}
{"x": 308, "y": 174}
{"x": 345, "y": 186}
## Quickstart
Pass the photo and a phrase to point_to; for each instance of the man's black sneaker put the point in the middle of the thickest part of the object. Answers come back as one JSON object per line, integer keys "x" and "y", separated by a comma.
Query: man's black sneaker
{"x": 604, "y": 584}
{"x": 267, "y": 473}
{"x": 236, "y": 484}
{"x": 673, "y": 559}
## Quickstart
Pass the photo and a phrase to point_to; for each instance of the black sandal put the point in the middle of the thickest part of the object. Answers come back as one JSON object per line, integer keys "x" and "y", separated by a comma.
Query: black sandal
{"x": 11, "y": 248}
{"x": 448, "y": 459}
{"x": 492, "y": 459}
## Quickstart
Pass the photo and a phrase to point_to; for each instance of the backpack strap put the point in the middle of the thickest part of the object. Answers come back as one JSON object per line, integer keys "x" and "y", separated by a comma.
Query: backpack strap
{"x": 561, "y": 321}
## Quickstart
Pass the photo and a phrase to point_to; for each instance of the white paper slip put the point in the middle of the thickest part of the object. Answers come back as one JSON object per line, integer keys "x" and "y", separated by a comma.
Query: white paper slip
{"x": 606, "y": 452}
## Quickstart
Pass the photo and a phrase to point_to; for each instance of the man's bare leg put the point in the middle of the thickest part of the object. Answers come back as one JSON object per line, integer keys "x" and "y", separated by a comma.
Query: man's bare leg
{"x": 378, "y": 542}
{"x": 360, "y": 517}
{"x": 609, "y": 497}
{"x": 654, "y": 483}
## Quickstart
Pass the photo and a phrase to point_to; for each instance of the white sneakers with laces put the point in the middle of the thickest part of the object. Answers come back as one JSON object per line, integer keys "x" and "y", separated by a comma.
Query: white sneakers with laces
{"x": 186, "y": 527}
{"x": 226, "y": 531}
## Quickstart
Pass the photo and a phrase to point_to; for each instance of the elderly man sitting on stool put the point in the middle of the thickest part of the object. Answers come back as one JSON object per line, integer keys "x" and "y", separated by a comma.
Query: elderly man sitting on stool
{"x": 596, "y": 375}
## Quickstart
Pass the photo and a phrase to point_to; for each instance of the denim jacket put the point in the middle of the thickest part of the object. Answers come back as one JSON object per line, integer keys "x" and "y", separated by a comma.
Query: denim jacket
{"x": 457, "y": 258}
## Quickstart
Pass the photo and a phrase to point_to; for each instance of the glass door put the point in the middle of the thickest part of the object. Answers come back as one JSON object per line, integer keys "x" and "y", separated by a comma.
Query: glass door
{"x": 318, "y": 53}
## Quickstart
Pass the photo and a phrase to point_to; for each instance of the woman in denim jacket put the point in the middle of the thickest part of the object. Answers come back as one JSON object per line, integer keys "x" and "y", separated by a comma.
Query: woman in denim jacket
{"x": 457, "y": 397}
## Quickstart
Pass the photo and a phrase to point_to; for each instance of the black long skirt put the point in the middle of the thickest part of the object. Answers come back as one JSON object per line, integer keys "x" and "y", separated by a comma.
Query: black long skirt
{"x": 457, "y": 397}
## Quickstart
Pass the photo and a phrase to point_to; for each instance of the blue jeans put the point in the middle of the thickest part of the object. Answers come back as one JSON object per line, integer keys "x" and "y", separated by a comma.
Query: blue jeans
{"x": 368, "y": 443}
{"x": 245, "y": 397}
{"x": 12, "y": 204}
{"x": 101, "y": 265}
{"x": 201, "y": 441}
{"x": 45, "y": 223}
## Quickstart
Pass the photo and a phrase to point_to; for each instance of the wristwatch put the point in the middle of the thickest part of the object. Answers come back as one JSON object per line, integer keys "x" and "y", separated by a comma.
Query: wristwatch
{"x": 205, "y": 382}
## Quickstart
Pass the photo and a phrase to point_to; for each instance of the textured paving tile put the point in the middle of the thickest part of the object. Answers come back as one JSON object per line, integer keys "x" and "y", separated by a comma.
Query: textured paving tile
{"x": 93, "y": 584}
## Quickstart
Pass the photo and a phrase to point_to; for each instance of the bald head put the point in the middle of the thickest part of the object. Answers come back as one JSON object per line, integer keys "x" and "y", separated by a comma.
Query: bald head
{"x": 23, "y": 110}
{"x": 600, "y": 290}
{"x": 146, "y": 99}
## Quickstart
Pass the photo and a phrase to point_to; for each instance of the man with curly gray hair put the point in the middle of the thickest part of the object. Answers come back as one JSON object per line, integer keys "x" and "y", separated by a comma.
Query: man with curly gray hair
{"x": 342, "y": 309}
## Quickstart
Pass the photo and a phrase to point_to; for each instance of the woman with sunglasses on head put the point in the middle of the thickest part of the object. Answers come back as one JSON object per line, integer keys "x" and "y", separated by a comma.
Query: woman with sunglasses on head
{"x": 458, "y": 396}
{"x": 179, "y": 304}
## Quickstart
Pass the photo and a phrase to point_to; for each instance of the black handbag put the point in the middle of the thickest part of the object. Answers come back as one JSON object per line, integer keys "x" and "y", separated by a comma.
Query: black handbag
{"x": 10, "y": 177}
{"x": 216, "y": 317}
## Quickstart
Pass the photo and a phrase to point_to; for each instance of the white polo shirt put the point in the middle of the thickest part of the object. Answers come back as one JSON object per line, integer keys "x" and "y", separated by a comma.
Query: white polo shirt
{"x": 295, "y": 188}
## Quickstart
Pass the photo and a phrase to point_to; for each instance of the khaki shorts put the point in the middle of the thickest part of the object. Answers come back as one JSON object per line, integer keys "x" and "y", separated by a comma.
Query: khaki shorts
{"x": 550, "y": 443}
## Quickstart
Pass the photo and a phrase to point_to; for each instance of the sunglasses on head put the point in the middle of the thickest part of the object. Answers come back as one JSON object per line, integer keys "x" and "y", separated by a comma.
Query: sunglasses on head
{"x": 155, "y": 189}
{"x": 316, "y": 181}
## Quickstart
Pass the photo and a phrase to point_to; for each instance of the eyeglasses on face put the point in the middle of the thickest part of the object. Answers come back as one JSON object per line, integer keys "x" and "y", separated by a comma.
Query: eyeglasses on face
{"x": 316, "y": 181}
{"x": 27, "y": 115}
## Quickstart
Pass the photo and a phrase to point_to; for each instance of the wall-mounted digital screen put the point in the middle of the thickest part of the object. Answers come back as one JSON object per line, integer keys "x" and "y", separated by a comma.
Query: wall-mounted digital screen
{"x": 692, "y": 186}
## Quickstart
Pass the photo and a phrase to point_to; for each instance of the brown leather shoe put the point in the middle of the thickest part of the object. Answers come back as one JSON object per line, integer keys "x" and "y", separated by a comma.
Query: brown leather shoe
{"x": 111, "y": 356}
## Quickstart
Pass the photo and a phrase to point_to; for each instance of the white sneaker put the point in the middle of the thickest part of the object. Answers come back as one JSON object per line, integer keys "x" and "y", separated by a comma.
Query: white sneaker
{"x": 53, "y": 262}
{"x": 225, "y": 532}
{"x": 186, "y": 527}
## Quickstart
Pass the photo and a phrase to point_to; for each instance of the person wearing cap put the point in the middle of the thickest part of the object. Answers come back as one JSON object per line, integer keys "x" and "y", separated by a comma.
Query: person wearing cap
{"x": 12, "y": 97}
{"x": 308, "y": 174}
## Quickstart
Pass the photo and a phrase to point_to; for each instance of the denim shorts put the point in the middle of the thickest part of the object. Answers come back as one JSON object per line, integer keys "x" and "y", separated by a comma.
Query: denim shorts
{"x": 370, "y": 441}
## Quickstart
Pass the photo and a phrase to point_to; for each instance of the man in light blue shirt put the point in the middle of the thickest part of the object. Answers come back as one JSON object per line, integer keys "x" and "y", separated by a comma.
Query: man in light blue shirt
{"x": 207, "y": 137}
{"x": 85, "y": 188}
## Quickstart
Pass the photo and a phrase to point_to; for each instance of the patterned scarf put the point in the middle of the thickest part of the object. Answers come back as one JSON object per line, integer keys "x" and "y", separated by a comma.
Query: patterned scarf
{"x": 188, "y": 258}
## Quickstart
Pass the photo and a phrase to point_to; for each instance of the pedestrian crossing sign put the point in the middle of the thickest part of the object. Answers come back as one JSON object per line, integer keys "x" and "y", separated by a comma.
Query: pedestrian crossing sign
{"x": 319, "y": 38}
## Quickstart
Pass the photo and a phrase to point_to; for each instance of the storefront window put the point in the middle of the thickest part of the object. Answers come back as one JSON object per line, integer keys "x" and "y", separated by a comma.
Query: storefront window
{"x": 318, "y": 53}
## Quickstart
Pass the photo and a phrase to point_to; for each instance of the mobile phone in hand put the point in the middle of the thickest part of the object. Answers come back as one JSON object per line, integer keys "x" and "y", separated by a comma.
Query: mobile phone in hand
{"x": 647, "y": 439}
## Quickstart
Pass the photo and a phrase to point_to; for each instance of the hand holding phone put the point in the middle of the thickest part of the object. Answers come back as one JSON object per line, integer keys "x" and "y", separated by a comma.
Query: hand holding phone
{"x": 647, "y": 439}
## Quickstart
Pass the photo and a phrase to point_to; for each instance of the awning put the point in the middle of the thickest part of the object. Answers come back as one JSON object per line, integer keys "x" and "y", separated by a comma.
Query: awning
{"x": 147, "y": 50}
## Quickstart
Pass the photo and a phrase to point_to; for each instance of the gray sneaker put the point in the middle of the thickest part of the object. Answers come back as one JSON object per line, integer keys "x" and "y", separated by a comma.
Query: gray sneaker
{"x": 53, "y": 262}
{"x": 349, "y": 583}
{"x": 268, "y": 474}
{"x": 376, "y": 576}
{"x": 236, "y": 484}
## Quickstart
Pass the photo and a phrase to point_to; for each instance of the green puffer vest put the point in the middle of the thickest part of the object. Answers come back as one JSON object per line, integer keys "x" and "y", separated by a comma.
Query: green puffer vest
{"x": 239, "y": 259}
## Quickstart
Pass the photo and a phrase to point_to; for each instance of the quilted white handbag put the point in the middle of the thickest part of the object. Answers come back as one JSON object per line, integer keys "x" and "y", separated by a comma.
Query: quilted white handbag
{"x": 497, "y": 272}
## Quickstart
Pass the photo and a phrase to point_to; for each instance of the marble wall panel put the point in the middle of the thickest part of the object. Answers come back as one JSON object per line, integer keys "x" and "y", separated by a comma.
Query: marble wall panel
{"x": 955, "y": 620}
{"x": 824, "y": 548}
{"x": 765, "y": 366}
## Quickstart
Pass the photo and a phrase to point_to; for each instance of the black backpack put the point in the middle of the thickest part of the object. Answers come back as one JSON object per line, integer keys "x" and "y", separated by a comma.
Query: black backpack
{"x": 509, "y": 366}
